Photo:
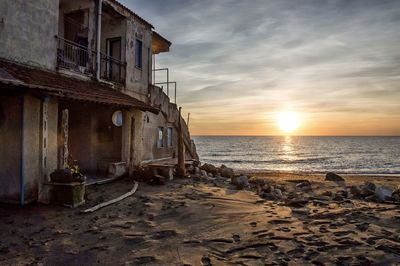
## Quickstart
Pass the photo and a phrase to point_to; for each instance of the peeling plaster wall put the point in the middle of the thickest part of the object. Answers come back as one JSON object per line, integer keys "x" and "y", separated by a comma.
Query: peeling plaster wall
{"x": 27, "y": 30}
{"x": 10, "y": 152}
{"x": 67, "y": 6}
{"x": 31, "y": 146}
{"x": 137, "y": 80}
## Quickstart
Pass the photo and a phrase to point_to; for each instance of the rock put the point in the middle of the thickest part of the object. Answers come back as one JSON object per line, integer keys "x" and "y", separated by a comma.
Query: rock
{"x": 209, "y": 168}
{"x": 338, "y": 197}
{"x": 355, "y": 191}
{"x": 327, "y": 194}
{"x": 367, "y": 189}
{"x": 363, "y": 227}
{"x": 396, "y": 194}
{"x": 383, "y": 193}
{"x": 157, "y": 180}
{"x": 203, "y": 173}
{"x": 240, "y": 182}
{"x": 190, "y": 169}
{"x": 306, "y": 186}
{"x": 266, "y": 188}
{"x": 278, "y": 193}
{"x": 333, "y": 177}
{"x": 210, "y": 175}
{"x": 206, "y": 261}
{"x": 226, "y": 171}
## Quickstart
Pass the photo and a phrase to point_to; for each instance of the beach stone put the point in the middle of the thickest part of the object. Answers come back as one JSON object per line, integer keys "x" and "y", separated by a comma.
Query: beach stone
{"x": 266, "y": 188}
{"x": 383, "y": 193}
{"x": 209, "y": 168}
{"x": 306, "y": 186}
{"x": 278, "y": 193}
{"x": 240, "y": 182}
{"x": 226, "y": 171}
{"x": 190, "y": 169}
{"x": 396, "y": 194}
{"x": 333, "y": 177}
{"x": 367, "y": 189}
{"x": 355, "y": 191}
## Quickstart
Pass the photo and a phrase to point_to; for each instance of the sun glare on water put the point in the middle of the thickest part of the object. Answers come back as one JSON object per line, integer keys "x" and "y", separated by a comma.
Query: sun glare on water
{"x": 288, "y": 122}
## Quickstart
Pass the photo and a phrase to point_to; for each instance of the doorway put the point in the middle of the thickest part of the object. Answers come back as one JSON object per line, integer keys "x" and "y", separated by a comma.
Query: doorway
{"x": 114, "y": 56}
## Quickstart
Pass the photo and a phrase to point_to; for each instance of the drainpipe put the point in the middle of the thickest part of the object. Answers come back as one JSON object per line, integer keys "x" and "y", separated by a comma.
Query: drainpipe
{"x": 99, "y": 39}
{"x": 22, "y": 168}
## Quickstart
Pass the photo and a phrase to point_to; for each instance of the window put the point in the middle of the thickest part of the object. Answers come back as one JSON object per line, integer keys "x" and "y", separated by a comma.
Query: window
{"x": 169, "y": 143}
{"x": 139, "y": 54}
{"x": 160, "y": 137}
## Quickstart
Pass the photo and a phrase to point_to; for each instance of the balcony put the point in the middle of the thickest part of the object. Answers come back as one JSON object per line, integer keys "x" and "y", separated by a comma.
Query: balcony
{"x": 79, "y": 58}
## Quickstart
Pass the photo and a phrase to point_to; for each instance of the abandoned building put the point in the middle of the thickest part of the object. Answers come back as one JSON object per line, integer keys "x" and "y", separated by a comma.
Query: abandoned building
{"x": 77, "y": 84}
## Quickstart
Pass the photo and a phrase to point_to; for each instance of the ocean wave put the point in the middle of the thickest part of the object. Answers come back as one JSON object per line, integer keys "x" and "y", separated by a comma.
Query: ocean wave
{"x": 276, "y": 161}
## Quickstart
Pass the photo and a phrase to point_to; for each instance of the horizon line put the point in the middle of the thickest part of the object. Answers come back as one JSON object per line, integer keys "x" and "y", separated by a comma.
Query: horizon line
{"x": 217, "y": 135}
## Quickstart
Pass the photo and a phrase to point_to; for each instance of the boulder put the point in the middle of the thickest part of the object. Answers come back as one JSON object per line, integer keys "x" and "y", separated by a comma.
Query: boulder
{"x": 355, "y": 191}
{"x": 306, "y": 186}
{"x": 203, "y": 173}
{"x": 383, "y": 193}
{"x": 240, "y": 182}
{"x": 209, "y": 168}
{"x": 333, "y": 177}
{"x": 396, "y": 194}
{"x": 367, "y": 189}
{"x": 226, "y": 171}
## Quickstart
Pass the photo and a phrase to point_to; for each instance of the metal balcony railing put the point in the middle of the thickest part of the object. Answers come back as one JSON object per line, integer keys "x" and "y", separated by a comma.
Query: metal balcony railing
{"x": 112, "y": 69}
{"x": 76, "y": 57}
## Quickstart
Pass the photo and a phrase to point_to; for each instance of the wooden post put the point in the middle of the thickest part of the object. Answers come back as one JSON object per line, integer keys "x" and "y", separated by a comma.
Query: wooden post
{"x": 181, "y": 148}
{"x": 188, "y": 119}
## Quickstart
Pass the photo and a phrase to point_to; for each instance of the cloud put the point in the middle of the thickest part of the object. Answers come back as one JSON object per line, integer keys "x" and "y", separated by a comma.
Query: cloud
{"x": 259, "y": 56}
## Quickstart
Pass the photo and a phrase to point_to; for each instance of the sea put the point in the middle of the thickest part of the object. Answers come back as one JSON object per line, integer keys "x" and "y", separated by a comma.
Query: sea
{"x": 351, "y": 155}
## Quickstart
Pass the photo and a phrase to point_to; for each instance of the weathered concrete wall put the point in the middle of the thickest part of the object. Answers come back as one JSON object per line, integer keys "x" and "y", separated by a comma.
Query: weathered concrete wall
{"x": 112, "y": 27}
{"x": 137, "y": 80}
{"x": 27, "y": 30}
{"x": 10, "y": 151}
{"x": 89, "y": 6}
{"x": 31, "y": 146}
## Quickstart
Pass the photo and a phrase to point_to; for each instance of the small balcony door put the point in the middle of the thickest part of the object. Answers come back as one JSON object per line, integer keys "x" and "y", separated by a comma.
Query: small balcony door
{"x": 114, "y": 52}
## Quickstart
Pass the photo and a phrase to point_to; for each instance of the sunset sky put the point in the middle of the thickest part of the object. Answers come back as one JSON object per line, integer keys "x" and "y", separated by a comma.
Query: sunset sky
{"x": 239, "y": 64}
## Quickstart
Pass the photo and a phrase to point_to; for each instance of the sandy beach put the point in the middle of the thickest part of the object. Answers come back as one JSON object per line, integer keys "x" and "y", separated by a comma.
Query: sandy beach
{"x": 209, "y": 222}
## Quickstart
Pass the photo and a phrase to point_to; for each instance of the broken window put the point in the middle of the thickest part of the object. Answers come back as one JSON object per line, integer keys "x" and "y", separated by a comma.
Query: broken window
{"x": 169, "y": 143}
{"x": 160, "y": 137}
{"x": 139, "y": 54}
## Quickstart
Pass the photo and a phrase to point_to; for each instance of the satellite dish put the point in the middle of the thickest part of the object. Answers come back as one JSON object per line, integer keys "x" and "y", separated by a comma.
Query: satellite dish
{"x": 117, "y": 118}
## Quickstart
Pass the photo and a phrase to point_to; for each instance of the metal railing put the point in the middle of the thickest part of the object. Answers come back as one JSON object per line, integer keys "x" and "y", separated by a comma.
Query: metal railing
{"x": 167, "y": 82}
{"x": 112, "y": 69}
{"x": 75, "y": 57}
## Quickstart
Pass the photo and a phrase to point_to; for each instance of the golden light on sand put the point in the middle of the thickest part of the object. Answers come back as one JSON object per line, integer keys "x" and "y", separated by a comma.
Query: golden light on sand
{"x": 288, "y": 122}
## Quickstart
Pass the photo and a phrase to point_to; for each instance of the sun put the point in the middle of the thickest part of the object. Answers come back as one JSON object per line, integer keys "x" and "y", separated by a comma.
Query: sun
{"x": 288, "y": 121}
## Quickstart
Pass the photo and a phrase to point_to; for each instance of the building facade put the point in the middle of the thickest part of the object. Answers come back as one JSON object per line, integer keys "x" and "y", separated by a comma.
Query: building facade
{"x": 76, "y": 87}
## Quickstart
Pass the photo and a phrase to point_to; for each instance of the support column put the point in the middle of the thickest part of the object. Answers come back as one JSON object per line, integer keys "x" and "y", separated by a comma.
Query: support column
{"x": 64, "y": 139}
